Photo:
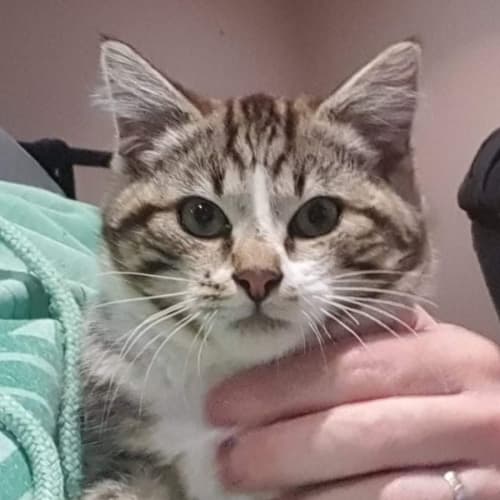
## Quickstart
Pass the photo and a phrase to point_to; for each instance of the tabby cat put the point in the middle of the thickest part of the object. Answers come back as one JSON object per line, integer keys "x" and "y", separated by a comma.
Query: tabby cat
{"x": 237, "y": 232}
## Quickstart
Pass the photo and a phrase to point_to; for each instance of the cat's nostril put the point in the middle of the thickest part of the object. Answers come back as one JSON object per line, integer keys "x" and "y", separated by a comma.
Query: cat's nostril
{"x": 245, "y": 284}
{"x": 258, "y": 283}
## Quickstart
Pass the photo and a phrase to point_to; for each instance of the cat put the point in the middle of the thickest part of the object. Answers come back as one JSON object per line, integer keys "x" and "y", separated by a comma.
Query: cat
{"x": 233, "y": 233}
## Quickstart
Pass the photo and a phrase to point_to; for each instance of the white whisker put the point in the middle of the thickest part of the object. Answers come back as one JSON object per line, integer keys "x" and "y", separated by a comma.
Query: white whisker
{"x": 344, "y": 325}
{"x": 133, "y": 338}
{"x": 317, "y": 334}
{"x": 171, "y": 334}
{"x": 382, "y": 311}
{"x": 146, "y": 275}
{"x": 393, "y": 303}
{"x": 374, "y": 319}
{"x": 204, "y": 340}
{"x": 361, "y": 281}
{"x": 149, "y": 327}
{"x": 192, "y": 344}
{"x": 203, "y": 326}
{"x": 382, "y": 291}
{"x": 351, "y": 317}
{"x": 304, "y": 339}
{"x": 371, "y": 272}
{"x": 162, "y": 314}
{"x": 317, "y": 320}
{"x": 141, "y": 298}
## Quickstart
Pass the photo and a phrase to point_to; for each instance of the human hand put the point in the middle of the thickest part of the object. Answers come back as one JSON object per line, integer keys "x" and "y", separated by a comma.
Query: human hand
{"x": 383, "y": 422}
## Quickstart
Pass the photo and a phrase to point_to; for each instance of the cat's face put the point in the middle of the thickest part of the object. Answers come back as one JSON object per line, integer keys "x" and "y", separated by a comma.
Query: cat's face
{"x": 263, "y": 218}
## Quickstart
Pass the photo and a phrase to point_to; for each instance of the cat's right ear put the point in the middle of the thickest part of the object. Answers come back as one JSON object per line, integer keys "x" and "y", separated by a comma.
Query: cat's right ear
{"x": 145, "y": 104}
{"x": 380, "y": 100}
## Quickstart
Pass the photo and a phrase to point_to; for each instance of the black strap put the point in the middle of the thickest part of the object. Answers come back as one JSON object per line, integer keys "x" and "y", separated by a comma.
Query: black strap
{"x": 58, "y": 159}
{"x": 479, "y": 196}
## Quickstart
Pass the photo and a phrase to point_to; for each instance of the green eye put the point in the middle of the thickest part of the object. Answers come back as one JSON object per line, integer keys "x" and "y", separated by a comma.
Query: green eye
{"x": 315, "y": 218}
{"x": 202, "y": 218}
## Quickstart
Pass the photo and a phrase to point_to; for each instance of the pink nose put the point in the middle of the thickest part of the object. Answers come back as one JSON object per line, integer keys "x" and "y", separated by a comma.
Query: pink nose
{"x": 258, "y": 283}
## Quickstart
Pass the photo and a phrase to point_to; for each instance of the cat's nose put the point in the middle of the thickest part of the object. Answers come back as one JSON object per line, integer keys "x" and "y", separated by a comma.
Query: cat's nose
{"x": 258, "y": 283}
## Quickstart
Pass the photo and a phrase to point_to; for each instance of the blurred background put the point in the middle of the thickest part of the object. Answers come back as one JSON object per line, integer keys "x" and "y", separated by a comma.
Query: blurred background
{"x": 49, "y": 68}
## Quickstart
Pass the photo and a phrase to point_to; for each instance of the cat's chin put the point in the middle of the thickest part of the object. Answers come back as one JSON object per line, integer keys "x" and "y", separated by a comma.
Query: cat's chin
{"x": 257, "y": 339}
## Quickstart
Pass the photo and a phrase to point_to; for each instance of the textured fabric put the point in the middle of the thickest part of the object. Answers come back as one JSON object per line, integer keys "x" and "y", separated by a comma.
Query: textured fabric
{"x": 47, "y": 270}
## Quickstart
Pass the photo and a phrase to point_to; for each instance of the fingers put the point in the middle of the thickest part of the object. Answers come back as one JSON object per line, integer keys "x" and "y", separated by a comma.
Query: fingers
{"x": 363, "y": 438}
{"x": 479, "y": 484}
{"x": 411, "y": 365}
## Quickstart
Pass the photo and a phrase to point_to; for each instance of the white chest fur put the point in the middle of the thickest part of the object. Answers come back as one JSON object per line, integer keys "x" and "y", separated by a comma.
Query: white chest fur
{"x": 172, "y": 390}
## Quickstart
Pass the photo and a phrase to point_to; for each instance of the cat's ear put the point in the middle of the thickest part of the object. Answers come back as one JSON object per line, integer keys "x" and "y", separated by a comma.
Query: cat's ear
{"x": 145, "y": 103}
{"x": 379, "y": 101}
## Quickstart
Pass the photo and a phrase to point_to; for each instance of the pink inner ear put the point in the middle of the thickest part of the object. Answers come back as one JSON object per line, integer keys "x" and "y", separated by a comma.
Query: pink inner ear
{"x": 145, "y": 103}
{"x": 380, "y": 100}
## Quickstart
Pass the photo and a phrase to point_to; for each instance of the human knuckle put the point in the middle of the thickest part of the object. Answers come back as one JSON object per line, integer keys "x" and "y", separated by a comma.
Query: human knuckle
{"x": 475, "y": 357}
{"x": 483, "y": 362}
{"x": 488, "y": 427}
{"x": 379, "y": 430}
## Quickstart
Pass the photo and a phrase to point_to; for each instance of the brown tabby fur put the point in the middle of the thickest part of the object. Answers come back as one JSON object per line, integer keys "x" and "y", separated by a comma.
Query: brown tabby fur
{"x": 243, "y": 154}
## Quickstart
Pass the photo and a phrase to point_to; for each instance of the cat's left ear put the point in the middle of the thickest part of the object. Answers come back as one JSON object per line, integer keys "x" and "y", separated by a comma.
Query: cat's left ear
{"x": 379, "y": 101}
{"x": 144, "y": 102}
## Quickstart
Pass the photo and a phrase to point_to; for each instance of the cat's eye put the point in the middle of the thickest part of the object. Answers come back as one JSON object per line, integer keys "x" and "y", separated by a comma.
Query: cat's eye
{"x": 202, "y": 218}
{"x": 316, "y": 217}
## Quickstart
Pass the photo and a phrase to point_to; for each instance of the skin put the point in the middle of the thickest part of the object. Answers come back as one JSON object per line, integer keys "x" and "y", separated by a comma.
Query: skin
{"x": 379, "y": 422}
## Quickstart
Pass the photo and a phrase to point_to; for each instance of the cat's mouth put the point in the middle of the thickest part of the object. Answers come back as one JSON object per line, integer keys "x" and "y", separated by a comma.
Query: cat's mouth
{"x": 259, "y": 320}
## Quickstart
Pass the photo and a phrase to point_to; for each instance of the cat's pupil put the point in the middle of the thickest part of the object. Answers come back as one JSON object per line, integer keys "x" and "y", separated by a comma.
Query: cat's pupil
{"x": 317, "y": 214}
{"x": 203, "y": 213}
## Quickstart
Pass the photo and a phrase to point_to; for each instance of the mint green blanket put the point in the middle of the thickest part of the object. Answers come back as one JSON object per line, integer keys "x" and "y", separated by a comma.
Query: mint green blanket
{"x": 47, "y": 273}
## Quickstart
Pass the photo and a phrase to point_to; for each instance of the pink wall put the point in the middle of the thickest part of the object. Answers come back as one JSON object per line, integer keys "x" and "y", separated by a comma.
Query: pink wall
{"x": 49, "y": 59}
{"x": 461, "y": 106}
{"x": 222, "y": 47}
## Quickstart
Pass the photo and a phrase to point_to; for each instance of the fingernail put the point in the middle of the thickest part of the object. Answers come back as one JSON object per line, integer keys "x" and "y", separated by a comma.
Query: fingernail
{"x": 227, "y": 445}
{"x": 226, "y": 474}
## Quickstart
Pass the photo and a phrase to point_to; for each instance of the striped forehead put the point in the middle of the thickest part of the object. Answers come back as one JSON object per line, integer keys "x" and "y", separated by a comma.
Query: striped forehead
{"x": 259, "y": 132}
{"x": 251, "y": 208}
{"x": 249, "y": 193}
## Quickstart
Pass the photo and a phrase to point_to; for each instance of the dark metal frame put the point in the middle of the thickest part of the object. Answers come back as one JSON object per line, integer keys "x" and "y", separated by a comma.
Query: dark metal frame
{"x": 58, "y": 160}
